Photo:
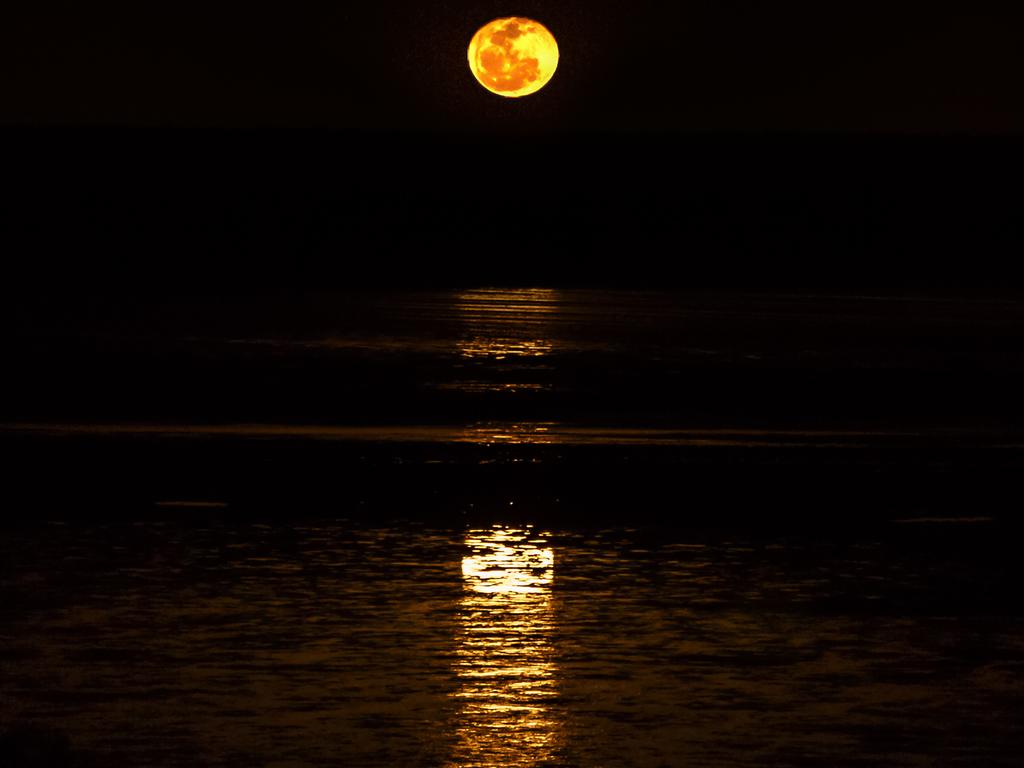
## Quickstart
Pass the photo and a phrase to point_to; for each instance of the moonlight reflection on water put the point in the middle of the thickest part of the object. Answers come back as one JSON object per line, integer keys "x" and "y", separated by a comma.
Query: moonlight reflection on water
{"x": 174, "y": 642}
{"x": 505, "y": 659}
{"x": 507, "y": 324}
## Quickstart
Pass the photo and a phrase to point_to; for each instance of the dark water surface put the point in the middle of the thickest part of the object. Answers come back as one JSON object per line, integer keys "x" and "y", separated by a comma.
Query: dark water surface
{"x": 601, "y": 358}
{"x": 823, "y": 566}
{"x": 331, "y": 642}
{"x": 617, "y": 399}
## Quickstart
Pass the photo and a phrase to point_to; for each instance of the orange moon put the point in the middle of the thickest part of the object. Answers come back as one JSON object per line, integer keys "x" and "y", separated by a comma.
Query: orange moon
{"x": 513, "y": 56}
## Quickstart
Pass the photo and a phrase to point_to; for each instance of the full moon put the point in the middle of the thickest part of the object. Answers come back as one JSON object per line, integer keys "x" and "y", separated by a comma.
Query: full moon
{"x": 513, "y": 56}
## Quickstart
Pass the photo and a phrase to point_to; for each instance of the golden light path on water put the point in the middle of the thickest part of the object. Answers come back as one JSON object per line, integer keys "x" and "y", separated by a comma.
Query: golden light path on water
{"x": 505, "y": 658}
{"x": 506, "y": 324}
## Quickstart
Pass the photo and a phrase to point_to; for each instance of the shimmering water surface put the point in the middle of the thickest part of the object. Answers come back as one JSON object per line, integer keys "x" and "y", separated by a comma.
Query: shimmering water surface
{"x": 338, "y": 643}
{"x": 594, "y": 358}
{"x": 197, "y": 602}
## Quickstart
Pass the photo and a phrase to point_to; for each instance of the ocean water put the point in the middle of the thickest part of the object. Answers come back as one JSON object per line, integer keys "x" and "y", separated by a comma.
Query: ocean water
{"x": 457, "y": 358}
{"x": 163, "y": 642}
{"x": 512, "y": 527}
{"x": 600, "y": 399}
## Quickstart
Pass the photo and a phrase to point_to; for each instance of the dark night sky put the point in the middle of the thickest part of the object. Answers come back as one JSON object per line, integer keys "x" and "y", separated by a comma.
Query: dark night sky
{"x": 715, "y": 144}
{"x": 637, "y": 65}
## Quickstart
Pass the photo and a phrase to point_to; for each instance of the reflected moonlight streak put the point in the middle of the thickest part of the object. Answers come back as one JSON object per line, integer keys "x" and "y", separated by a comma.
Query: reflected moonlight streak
{"x": 507, "y": 325}
{"x": 505, "y": 660}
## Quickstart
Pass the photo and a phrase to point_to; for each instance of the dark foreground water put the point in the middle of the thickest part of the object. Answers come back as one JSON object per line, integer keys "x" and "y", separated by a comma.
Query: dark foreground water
{"x": 167, "y": 642}
{"x": 823, "y": 566}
